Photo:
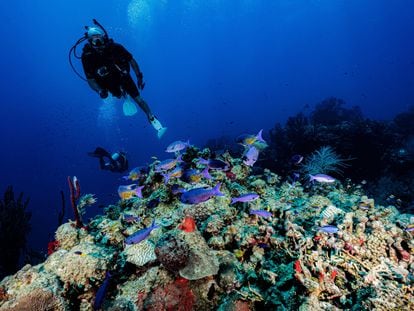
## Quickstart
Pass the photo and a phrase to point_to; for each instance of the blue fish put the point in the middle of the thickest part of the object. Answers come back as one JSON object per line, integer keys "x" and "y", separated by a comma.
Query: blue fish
{"x": 248, "y": 197}
{"x": 141, "y": 234}
{"x": 261, "y": 213}
{"x": 215, "y": 164}
{"x": 199, "y": 195}
{"x": 329, "y": 229}
{"x": 100, "y": 294}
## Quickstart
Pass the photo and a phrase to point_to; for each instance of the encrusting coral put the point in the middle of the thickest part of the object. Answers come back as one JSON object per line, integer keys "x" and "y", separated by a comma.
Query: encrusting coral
{"x": 294, "y": 247}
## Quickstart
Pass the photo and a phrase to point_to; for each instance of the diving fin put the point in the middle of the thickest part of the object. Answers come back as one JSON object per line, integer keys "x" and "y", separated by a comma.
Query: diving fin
{"x": 99, "y": 153}
{"x": 129, "y": 108}
{"x": 156, "y": 124}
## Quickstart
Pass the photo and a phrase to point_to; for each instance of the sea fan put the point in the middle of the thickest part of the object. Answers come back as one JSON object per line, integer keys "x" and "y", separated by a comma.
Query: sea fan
{"x": 324, "y": 161}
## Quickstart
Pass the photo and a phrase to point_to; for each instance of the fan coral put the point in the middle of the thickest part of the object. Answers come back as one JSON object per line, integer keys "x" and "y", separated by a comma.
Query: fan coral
{"x": 323, "y": 161}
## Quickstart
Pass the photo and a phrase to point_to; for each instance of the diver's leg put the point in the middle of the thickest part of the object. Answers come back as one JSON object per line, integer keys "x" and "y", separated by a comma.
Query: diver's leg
{"x": 156, "y": 124}
{"x": 102, "y": 163}
{"x": 132, "y": 90}
{"x": 144, "y": 107}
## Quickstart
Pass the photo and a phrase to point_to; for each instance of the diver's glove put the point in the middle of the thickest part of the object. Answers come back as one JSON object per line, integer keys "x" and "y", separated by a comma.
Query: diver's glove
{"x": 141, "y": 83}
{"x": 103, "y": 94}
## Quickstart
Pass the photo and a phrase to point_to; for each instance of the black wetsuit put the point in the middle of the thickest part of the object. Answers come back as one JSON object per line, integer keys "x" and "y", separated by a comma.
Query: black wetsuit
{"x": 106, "y": 161}
{"x": 109, "y": 66}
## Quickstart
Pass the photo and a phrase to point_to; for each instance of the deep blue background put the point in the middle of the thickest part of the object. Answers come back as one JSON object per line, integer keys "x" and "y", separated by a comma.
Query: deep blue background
{"x": 211, "y": 68}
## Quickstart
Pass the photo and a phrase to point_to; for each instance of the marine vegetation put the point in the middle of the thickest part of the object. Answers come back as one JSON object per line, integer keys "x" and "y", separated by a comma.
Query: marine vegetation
{"x": 380, "y": 150}
{"x": 14, "y": 228}
{"x": 231, "y": 239}
{"x": 325, "y": 161}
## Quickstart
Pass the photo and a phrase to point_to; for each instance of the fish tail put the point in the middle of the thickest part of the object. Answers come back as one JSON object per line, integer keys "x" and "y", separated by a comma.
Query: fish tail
{"x": 154, "y": 225}
{"x": 166, "y": 178}
{"x": 138, "y": 191}
{"x": 217, "y": 191}
{"x": 233, "y": 200}
{"x": 259, "y": 136}
{"x": 205, "y": 173}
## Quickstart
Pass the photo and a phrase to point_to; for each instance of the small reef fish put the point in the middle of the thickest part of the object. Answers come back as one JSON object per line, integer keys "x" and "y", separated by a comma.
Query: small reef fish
{"x": 80, "y": 253}
{"x": 194, "y": 176}
{"x": 176, "y": 172}
{"x": 328, "y": 229}
{"x": 100, "y": 294}
{"x": 261, "y": 213}
{"x": 322, "y": 178}
{"x": 130, "y": 218}
{"x": 215, "y": 164}
{"x": 188, "y": 224}
{"x": 141, "y": 234}
{"x": 245, "y": 198}
{"x": 296, "y": 159}
{"x": 409, "y": 228}
{"x": 251, "y": 156}
{"x": 199, "y": 195}
{"x": 177, "y": 146}
{"x": 167, "y": 164}
{"x": 126, "y": 192}
{"x": 135, "y": 174}
{"x": 248, "y": 139}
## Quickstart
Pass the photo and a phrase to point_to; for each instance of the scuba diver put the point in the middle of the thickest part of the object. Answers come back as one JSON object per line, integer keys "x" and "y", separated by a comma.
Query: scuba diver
{"x": 107, "y": 68}
{"x": 116, "y": 162}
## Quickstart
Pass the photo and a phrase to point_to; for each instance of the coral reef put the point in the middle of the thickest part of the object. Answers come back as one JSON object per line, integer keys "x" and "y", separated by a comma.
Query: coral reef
{"x": 382, "y": 151}
{"x": 305, "y": 247}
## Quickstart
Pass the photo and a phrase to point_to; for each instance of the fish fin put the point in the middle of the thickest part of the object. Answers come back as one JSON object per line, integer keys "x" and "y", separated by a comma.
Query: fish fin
{"x": 217, "y": 191}
{"x": 166, "y": 178}
{"x": 259, "y": 136}
{"x": 129, "y": 108}
{"x": 205, "y": 173}
{"x": 154, "y": 225}
{"x": 138, "y": 191}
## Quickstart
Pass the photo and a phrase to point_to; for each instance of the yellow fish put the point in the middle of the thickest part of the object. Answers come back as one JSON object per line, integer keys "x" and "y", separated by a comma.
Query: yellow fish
{"x": 126, "y": 192}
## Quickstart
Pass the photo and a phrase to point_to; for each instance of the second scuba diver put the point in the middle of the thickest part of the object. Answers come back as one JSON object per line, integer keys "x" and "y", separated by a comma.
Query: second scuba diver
{"x": 116, "y": 162}
{"x": 107, "y": 65}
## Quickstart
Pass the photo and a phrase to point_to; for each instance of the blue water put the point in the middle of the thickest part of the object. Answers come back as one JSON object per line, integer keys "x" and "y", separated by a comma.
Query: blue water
{"x": 211, "y": 68}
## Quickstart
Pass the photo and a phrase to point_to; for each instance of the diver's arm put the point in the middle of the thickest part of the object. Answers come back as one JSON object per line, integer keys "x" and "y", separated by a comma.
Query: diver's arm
{"x": 94, "y": 85}
{"x": 138, "y": 73}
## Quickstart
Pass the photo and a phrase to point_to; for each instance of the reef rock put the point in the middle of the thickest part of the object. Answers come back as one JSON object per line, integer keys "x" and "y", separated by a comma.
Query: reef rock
{"x": 172, "y": 251}
{"x": 201, "y": 262}
{"x": 82, "y": 263}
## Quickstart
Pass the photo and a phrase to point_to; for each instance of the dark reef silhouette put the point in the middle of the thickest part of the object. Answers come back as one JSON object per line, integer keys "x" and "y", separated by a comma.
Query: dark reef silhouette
{"x": 14, "y": 228}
